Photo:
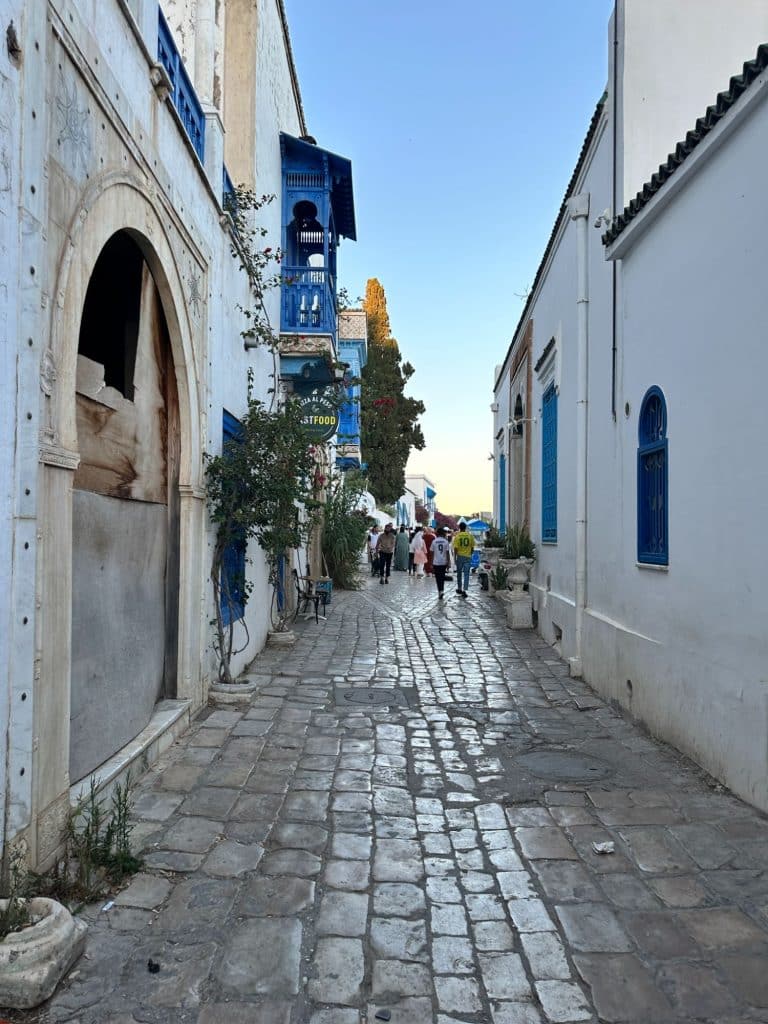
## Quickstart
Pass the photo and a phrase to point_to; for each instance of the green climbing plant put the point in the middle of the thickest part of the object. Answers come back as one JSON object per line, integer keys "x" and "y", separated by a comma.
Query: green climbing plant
{"x": 262, "y": 487}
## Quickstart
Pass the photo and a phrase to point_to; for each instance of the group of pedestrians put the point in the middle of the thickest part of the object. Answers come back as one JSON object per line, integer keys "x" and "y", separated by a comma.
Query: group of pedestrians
{"x": 422, "y": 552}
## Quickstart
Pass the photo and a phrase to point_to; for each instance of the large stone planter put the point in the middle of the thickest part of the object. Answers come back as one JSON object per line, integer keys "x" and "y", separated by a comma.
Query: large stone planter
{"x": 492, "y": 556}
{"x": 519, "y": 571}
{"x": 34, "y": 960}
{"x": 518, "y": 608}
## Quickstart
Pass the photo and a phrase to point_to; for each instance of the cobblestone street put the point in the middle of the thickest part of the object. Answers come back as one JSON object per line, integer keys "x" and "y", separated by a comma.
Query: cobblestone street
{"x": 400, "y": 827}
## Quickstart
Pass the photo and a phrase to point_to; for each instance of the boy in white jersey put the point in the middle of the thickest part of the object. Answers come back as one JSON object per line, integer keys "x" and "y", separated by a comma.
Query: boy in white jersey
{"x": 441, "y": 559}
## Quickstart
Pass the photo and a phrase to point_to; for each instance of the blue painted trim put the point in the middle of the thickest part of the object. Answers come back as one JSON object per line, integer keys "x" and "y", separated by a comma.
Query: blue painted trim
{"x": 184, "y": 96}
{"x": 653, "y": 480}
{"x": 549, "y": 466}
{"x": 233, "y": 561}
{"x": 228, "y": 195}
{"x": 502, "y": 494}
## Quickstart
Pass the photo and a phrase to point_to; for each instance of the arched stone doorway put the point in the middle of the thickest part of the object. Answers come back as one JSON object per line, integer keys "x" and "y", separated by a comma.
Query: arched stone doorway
{"x": 125, "y": 508}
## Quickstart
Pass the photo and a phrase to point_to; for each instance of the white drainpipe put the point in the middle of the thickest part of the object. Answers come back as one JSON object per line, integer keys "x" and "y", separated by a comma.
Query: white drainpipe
{"x": 578, "y": 208}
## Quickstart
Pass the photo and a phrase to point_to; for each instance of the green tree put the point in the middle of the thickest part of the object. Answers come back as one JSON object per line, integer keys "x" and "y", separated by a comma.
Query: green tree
{"x": 389, "y": 418}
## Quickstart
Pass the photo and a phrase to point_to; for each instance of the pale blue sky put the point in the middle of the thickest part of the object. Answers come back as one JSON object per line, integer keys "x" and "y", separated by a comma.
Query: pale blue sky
{"x": 463, "y": 123}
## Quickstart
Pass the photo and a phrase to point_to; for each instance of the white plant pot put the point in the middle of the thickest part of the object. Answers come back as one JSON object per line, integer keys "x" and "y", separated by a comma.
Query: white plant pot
{"x": 34, "y": 960}
{"x": 222, "y": 694}
{"x": 519, "y": 572}
{"x": 281, "y": 637}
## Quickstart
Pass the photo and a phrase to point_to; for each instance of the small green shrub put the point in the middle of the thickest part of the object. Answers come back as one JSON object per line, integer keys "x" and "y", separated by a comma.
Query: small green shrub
{"x": 345, "y": 528}
{"x": 16, "y": 914}
{"x": 499, "y": 577}
{"x": 97, "y": 849}
{"x": 493, "y": 538}
{"x": 518, "y": 543}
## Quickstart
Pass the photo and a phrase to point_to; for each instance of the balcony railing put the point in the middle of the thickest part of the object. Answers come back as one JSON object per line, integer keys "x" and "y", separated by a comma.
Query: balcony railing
{"x": 184, "y": 97}
{"x": 308, "y": 301}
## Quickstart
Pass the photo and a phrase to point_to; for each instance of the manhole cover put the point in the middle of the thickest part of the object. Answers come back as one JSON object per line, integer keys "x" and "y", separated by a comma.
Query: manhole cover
{"x": 559, "y": 764}
{"x": 373, "y": 696}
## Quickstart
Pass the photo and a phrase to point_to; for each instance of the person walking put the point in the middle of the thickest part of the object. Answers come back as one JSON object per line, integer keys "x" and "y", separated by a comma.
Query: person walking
{"x": 385, "y": 549}
{"x": 463, "y": 546}
{"x": 429, "y": 536}
{"x": 401, "y": 550}
{"x": 441, "y": 560}
{"x": 373, "y": 542}
{"x": 419, "y": 551}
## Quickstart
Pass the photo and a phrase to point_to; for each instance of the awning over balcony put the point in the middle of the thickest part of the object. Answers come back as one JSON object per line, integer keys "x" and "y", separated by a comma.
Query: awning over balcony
{"x": 305, "y": 155}
{"x": 306, "y": 372}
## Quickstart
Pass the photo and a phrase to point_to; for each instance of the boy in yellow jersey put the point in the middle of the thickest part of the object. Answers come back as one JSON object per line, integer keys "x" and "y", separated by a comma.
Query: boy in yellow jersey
{"x": 463, "y": 546}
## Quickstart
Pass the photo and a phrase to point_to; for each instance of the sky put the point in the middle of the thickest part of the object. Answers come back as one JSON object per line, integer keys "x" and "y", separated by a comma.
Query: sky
{"x": 463, "y": 125}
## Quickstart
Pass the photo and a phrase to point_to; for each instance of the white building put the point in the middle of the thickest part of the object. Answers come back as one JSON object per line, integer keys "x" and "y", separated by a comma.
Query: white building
{"x": 123, "y": 363}
{"x": 425, "y": 492}
{"x": 609, "y": 433}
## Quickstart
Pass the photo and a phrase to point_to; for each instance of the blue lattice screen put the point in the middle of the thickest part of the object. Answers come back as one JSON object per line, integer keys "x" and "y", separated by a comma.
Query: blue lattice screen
{"x": 652, "y": 481}
{"x": 549, "y": 466}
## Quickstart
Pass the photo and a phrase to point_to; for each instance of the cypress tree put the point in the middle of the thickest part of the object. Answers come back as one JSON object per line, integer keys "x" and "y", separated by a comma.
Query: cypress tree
{"x": 389, "y": 419}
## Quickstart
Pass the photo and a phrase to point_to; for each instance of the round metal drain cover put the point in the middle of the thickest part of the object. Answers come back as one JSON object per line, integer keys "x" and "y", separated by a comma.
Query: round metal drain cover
{"x": 376, "y": 695}
{"x": 560, "y": 764}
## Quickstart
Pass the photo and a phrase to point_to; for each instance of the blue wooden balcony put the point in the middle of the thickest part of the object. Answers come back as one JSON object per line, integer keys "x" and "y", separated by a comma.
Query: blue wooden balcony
{"x": 184, "y": 97}
{"x": 308, "y": 301}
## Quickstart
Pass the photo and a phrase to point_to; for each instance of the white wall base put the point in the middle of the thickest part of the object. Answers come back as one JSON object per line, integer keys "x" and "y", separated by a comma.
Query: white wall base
{"x": 169, "y": 720}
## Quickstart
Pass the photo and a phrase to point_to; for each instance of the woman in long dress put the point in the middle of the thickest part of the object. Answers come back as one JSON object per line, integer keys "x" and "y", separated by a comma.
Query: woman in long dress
{"x": 401, "y": 551}
{"x": 419, "y": 550}
{"x": 429, "y": 536}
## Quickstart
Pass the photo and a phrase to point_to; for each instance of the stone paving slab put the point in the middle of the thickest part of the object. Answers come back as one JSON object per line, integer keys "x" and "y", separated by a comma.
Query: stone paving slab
{"x": 315, "y": 860}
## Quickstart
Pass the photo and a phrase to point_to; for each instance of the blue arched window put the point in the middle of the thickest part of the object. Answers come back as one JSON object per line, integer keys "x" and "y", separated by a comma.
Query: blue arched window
{"x": 652, "y": 481}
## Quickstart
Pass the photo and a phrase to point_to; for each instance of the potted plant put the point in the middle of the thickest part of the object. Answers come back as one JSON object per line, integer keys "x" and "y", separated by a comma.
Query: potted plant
{"x": 519, "y": 554}
{"x": 493, "y": 545}
{"x": 499, "y": 578}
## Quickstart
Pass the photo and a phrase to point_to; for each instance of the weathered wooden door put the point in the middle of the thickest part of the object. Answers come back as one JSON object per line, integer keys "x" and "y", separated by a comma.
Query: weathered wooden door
{"x": 125, "y": 511}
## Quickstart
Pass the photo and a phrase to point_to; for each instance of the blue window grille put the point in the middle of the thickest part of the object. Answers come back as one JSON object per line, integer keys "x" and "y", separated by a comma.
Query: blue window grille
{"x": 184, "y": 97}
{"x": 549, "y": 466}
{"x": 232, "y": 588}
{"x": 502, "y": 494}
{"x": 652, "y": 481}
{"x": 228, "y": 195}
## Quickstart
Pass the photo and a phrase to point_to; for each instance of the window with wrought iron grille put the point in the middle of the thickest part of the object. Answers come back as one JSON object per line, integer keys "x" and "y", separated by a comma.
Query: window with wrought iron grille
{"x": 652, "y": 481}
{"x": 549, "y": 465}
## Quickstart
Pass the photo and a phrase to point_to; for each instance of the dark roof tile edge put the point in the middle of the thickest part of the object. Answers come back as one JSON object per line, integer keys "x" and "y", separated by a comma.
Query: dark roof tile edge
{"x": 725, "y": 100}
{"x": 574, "y": 177}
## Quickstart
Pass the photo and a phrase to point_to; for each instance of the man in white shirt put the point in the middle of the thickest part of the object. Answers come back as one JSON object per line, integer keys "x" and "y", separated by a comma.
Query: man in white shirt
{"x": 373, "y": 540}
{"x": 441, "y": 560}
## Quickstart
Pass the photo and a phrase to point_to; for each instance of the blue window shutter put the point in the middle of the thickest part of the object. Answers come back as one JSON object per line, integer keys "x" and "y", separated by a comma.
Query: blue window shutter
{"x": 232, "y": 593}
{"x": 653, "y": 481}
{"x": 549, "y": 466}
{"x": 502, "y": 494}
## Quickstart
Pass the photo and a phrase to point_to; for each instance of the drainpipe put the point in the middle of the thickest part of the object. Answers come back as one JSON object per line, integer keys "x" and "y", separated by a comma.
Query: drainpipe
{"x": 578, "y": 208}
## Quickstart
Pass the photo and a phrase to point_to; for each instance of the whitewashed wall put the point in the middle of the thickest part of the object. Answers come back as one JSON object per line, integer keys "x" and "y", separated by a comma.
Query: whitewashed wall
{"x": 684, "y": 648}
{"x": 104, "y": 152}
{"x": 694, "y": 309}
{"x": 674, "y": 58}
{"x": 11, "y": 80}
{"x": 499, "y": 437}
